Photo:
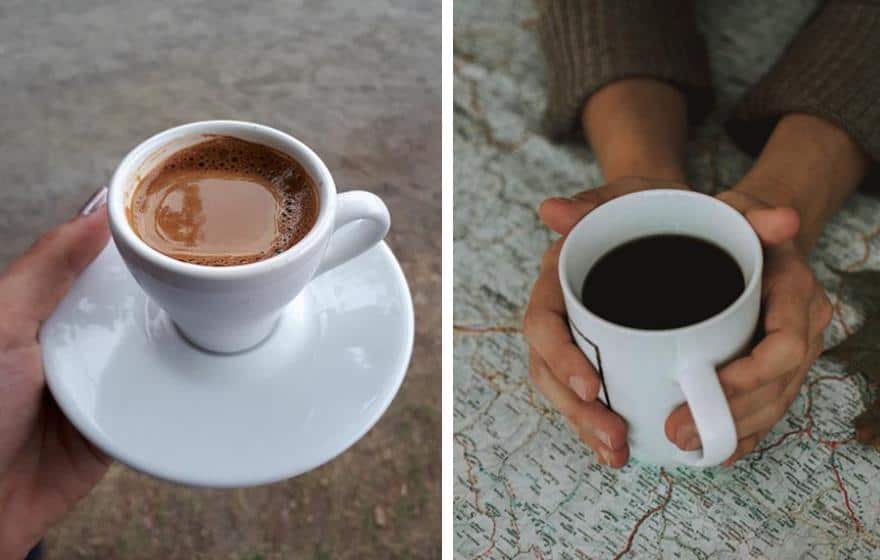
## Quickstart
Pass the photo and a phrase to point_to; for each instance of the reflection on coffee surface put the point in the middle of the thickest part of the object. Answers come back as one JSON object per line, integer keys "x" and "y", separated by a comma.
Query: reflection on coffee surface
{"x": 662, "y": 282}
{"x": 224, "y": 202}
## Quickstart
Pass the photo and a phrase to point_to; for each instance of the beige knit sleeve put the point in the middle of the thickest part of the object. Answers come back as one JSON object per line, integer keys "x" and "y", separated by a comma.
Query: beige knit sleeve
{"x": 590, "y": 43}
{"x": 830, "y": 70}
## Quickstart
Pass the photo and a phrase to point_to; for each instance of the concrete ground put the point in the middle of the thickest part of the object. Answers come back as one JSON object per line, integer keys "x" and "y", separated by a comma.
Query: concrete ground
{"x": 82, "y": 82}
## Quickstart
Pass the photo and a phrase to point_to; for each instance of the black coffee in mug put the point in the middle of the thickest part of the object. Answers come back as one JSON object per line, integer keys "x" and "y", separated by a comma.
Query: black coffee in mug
{"x": 662, "y": 282}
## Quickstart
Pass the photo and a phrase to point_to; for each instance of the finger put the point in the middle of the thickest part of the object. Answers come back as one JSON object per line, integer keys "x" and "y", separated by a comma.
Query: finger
{"x": 783, "y": 349}
{"x": 97, "y": 200}
{"x": 753, "y": 411}
{"x": 615, "y": 458}
{"x": 774, "y": 356}
{"x": 69, "y": 465}
{"x": 77, "y": 448}
{"x": 551, "y": 339}
{"x": 821, "y": 313}
{"x": 561, "y": 214}
{"x": 787, "y": 308}
{"x": 770, "y": 409}
{"x": 591, "y": 418}
{"x": 547, "y": 290}
{"x": 681, "y": 429}
{"x": 743, "y": 448}
{"x": 32, "y": 286}
{"x": 774, "y": 225}
{"x": 546, "y": 329}
{"x": 762, "y": 407}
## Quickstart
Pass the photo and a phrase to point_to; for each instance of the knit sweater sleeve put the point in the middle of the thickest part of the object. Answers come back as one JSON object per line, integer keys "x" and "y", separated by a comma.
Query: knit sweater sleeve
{"x": 591, "y": 43}
{"x": 830, "y": 70}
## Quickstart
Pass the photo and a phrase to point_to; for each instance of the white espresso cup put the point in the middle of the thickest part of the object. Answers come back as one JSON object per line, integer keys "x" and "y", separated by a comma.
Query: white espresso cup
{"x": 646, "y": 374}
{"x": 233, "y": 308}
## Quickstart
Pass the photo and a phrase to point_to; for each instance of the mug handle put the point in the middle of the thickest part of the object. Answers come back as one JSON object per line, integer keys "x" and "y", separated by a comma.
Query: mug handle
{"x": 714, "y": 422}
{"x": 362, "y": 220}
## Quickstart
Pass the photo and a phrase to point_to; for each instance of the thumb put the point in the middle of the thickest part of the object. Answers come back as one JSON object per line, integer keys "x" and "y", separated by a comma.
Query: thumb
{"x": 32, "y": 286}
{"x": 774, "y": 225}
{"x": 561, "y": 214}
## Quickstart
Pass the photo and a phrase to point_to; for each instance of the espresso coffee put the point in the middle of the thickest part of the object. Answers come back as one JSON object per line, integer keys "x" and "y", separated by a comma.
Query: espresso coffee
{"x": 224, "y": 202}
{"x": 662, "y": 282}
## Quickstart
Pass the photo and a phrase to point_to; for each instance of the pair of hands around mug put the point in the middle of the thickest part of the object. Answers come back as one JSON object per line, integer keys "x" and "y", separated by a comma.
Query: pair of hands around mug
{"x": 759, "y": 387}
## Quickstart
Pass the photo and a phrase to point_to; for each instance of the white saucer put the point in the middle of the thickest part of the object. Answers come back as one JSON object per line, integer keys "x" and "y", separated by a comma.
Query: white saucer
{"x": 133, "y": 386}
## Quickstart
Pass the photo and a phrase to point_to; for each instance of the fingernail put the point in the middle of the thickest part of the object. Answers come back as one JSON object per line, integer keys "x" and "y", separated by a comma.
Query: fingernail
{"x": 604, "y": 438}
{"x": 692, "y": 444}
{"x": 579, "y": 386}
{"x": 606, "y": 455}
{"x": 98, "y": 199}
{"x": 685, "y": 435}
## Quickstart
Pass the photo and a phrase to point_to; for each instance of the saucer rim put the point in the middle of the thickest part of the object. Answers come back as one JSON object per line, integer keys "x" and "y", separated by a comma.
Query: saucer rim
{"x": 96, "y": 437}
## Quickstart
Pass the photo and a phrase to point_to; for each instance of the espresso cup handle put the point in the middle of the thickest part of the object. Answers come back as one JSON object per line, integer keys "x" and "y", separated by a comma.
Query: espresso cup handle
{"x": 362, "y": 220}
{"x": 699, "y": 383}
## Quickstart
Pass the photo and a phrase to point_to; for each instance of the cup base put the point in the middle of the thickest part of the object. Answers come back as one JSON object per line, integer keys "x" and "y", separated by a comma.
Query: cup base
{"x": 668, "y": 457}
{"x": 211, "y": 346}
{"x": 240, "y": 340}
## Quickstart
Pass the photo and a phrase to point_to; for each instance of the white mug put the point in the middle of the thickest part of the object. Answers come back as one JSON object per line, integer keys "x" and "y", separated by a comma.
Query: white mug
{"x": 233, "y": 308}
{"x": 646, "y": 374}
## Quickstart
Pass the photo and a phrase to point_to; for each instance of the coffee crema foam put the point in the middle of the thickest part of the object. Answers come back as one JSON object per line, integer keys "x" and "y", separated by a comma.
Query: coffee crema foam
{"x": 224, "y": 202}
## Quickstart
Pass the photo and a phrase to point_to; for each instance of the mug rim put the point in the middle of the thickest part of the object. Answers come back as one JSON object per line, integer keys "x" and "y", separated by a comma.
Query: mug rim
{"x": 757, "y": 257}
{"x": 123, "y": 232}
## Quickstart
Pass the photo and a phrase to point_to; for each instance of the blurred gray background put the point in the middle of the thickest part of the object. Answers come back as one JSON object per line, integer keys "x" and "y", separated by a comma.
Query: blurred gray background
{"x": 83, "y": 82}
